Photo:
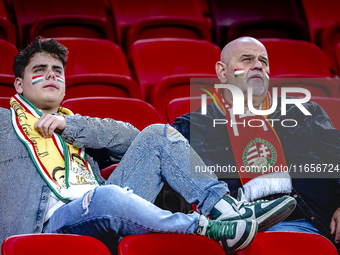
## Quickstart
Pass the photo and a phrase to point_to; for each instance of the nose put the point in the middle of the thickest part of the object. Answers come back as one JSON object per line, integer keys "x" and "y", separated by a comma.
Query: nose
{"x": 50, "y": 74}
{"x": 257, "y": 65}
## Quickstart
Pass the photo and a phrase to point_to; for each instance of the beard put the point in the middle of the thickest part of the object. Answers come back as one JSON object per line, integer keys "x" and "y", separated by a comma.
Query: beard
{"x": 258, "y": 90}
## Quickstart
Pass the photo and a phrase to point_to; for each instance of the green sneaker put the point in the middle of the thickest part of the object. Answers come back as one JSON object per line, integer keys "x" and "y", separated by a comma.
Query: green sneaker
{"x": 233, "y": 236}
{"x": 266, "y": 213}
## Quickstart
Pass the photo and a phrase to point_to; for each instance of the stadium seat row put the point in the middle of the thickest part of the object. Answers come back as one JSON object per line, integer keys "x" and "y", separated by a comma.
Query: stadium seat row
{"x": 125, "y": 21}
{"x": 141, "y": 114}
{"x": 278, "y": 243}
{"x": 161, "y": 68}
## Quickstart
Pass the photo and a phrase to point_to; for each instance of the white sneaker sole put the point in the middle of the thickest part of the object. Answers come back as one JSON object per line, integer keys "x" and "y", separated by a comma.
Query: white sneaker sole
{"x": 276, "y": 215}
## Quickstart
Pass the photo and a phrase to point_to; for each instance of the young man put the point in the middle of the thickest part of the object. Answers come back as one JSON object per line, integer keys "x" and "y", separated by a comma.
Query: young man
{"x": 38, "y": 138}
{"x": 312, "y": 141}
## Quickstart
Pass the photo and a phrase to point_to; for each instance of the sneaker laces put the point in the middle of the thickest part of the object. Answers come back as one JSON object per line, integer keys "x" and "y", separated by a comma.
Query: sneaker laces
{"x": 218, "y": 230}
{"x": 245, "y": 202}
{"x": 241, "y": 199}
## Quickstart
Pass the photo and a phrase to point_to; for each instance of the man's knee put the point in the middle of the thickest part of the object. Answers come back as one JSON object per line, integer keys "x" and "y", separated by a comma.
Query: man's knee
{"x": 169, "y": 130}
{"x": 174, "y": 135}
{"x": 154, "y": 129}
{"x": 108, "y": 195}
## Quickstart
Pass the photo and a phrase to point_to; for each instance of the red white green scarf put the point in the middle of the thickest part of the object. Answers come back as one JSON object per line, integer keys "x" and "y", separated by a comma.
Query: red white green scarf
{"x": 256, "y": 147}
{"x": 61, "y": 165}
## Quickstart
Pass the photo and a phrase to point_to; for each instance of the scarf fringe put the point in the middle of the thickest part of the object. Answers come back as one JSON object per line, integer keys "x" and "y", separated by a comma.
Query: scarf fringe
{"x": 268, "y": 184}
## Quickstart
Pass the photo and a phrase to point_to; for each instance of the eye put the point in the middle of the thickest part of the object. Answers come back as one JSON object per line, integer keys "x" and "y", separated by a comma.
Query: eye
{"x": 58, "y": 71}
{"x": 246, "y": 59}
{"x": 39, "y": 70}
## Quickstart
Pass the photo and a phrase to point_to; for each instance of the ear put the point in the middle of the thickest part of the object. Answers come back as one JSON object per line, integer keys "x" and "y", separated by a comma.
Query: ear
{"x": 220, "y": 71}
{"x": 18, "y": 85}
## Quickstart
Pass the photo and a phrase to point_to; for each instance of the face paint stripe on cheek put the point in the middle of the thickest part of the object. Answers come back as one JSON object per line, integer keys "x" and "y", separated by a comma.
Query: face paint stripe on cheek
{"x": 238, "y": 72}
{"x": 267, "y": 76}
{"x": 37, "y": 78}
{"x": 60, "y": 79}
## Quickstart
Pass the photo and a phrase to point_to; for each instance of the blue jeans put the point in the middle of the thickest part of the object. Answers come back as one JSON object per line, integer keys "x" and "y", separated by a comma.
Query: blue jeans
{"x": 300, "y": 225}
{"x": 110, "y": 212}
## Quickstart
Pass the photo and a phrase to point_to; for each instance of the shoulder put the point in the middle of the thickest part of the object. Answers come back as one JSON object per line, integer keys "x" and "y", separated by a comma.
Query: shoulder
{"x": 5, "y": 119}
{"x": 294, "y": 106}
{"x": 4, "y": 111}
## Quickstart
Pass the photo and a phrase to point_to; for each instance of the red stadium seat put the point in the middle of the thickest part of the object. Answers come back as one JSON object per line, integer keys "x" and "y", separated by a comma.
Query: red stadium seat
{"x": 329, "y": 39}
{"x": 168, "y": 244}
{"x": 89, "y": 85}
{"x": 106, "y": 172}
{"x": 135, "y": 111}
{"x": 337, "y": 55}
{"x": 324, "y": 24}
{"x": 88, "y": 55}
{"x": 317, "y": 86}
{"x": 295, "y": 58}
{"x": 180, "y": 106}
{"x": 4, "y": 102}
{"x": 72, "y": 26}
{"x": 97, "y": 68}
{"x": 41, "y": 244}
{"x": 7, "y": 29}
{"x": 153, "y": 59}
{"x": 270, "y": 19}
{"x": 77, "y": 18}
{"x": 152, "y": 18}
{"x": 180, "y": 85}
{"x": 330, "y": 105}
{"x": 7, "y": 52}
{"x": 168, "y": 27}
{"x": 320, "y": 14}
{"x": 292, "y": 243}
{"x": 7, "y": 85}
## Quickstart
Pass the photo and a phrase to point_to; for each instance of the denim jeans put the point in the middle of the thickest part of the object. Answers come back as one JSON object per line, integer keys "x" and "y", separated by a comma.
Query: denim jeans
{"x": 154, "y": 157}
{"x": 300, "y": 225}
{"x": 123, "y": 206}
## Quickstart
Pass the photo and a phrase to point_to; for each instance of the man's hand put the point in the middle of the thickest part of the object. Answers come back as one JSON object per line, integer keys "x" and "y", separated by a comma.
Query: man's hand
{"x": 335, "y": 225}
{"x": 48, "y": 124}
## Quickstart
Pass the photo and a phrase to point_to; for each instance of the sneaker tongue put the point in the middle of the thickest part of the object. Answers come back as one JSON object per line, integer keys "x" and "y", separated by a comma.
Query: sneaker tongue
{"x": 240, "y": 195}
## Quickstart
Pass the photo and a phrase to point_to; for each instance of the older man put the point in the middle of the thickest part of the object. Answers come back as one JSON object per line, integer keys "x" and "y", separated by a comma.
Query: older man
{"x": 311, "y": 139}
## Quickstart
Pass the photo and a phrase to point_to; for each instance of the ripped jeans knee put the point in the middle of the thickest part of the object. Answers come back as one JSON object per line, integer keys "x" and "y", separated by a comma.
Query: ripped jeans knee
{"x": 174, "y": 135}
{"x": 86, "y": 201}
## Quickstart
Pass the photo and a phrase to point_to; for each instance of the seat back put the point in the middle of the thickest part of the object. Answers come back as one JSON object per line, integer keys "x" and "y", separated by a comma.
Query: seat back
{"x": 337, "y": 55}
{"x": 80, "y": 15}
{"x": 4, "y": 102}
{"x": 292, "y": 243}
{"x": 135, "y": 111}
{"x": 7, "y": 52}
{"x": 329, "y": 105}
{"x": 180, "y": 106}
{"x": 88, "y": 55}
{"x": 320, "y": 15}
{"x": 153, "y": 59}
{"x": 41, "y": 244}
{"x": 317, "y": 86}
{"x": 181, "y": 85}
{"x": 168, "y": 244}
{"x": 270, "y": 19}
{"x": 91, "y": 85}
{"x": 151, "y": 16}
{"x": 7, "y": 28}
{"x": 6, "y": 85}
{"x": 295, "y": 57}
{"x": 324, "y": 26}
